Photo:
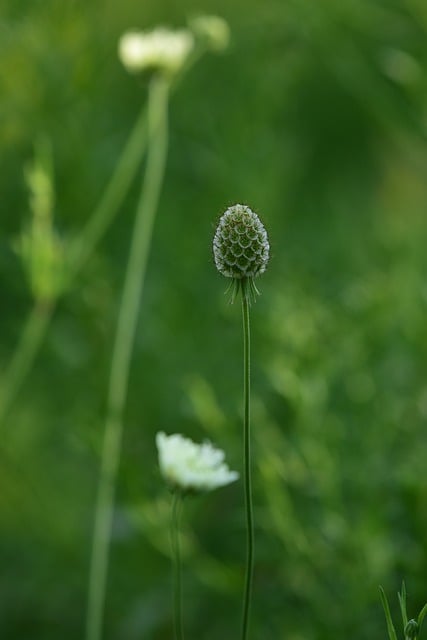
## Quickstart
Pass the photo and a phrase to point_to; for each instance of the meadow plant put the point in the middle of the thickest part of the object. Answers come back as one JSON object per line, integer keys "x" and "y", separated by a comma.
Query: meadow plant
{"x": 411, "y": 627}
{"x": 50, "y": 264}
{"x": 188, "y": 468}
{"x": 187, "y": 46}
{"x": 43, "y": 256}
{"x": 241, "y": 252}
{"x": 161, "y": 55}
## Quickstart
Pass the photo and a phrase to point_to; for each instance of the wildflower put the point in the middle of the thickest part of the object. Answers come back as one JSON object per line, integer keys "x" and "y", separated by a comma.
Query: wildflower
{"x": 188, "y": 466}
{"x": 161, "y": 49}
{"x": 240, "y": 246}
{"x": 40, "y": 248}
{"x": 212, "y": 30}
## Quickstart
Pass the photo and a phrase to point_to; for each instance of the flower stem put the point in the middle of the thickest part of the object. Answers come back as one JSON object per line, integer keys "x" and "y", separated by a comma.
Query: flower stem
{"x": 30, "y": 340}
{"x": 176, "y": 556}
{"x": 247, "y": 460}
{"x": 112, "y": 198}
{"x": 122, "y": 350}
{"x": 40, "y": 315}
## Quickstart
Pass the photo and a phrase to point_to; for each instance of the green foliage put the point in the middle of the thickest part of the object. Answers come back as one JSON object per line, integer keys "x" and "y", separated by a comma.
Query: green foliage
{"x": 411, "y": 628}
{"x": 315, "y": 118}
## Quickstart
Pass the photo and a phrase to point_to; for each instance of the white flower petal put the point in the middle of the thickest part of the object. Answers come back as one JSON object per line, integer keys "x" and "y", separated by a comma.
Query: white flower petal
{"x": 191, "y": 466}
{"x": 161, "y": 48}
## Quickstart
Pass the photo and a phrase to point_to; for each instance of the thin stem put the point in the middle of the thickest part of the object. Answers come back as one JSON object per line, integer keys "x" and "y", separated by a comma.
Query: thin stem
{"x": 112, "y": 198}
{"x": 176, "y": 559}
{"x": 122, "y": 350}
{"x": 247, "y": 461}
{"x": 84, "y": 245}
{"x": 39, "y": 317}
{"x": 29, "y": 343}
{"x": 115, "y": 192}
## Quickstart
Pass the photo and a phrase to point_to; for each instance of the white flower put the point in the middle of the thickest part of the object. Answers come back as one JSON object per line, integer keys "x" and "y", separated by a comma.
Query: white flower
{"x": 213, "y": 30}
{"x": 189, "y": 466}
{"x": 158, "y": 49}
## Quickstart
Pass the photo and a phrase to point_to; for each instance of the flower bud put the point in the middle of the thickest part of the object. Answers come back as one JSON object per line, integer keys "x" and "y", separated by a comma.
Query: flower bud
{"x": 240, "y": 245}
{"x": 412, "y": 630}
{"x": 213, "y": 31}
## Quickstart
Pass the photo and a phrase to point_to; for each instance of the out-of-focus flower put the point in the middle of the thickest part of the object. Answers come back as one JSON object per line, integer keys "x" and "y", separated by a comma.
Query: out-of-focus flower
{"x": 212, "y": 30}
{"x": 161, "y": 49}
{"x": 40, "y": 248}
{"x": 188, "y": 466}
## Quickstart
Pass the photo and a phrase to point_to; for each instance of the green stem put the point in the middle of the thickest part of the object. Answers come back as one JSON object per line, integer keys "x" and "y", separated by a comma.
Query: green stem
{"x": 122, "y": 350}
{"x": 30, "y": 340}
{"x": 115, "y": 192}
{"x": 176, "y": 556}
{"x": 39, "y": 317}
{"x": 84, "y": 245}
{"x": 112, "y": 198}
{"x": 247, "y": 460}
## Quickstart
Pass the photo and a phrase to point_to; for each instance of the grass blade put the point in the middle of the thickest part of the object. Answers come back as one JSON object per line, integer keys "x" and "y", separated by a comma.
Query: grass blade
{"x": 390, "y": 626}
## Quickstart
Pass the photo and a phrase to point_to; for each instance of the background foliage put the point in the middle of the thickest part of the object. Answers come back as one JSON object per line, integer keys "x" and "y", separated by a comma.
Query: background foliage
{"x": 316, "y": 117}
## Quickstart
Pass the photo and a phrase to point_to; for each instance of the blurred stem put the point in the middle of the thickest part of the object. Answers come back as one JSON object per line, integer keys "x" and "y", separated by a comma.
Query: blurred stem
{"x": 30, "y": 340}
{"x": 176, "y": 558}
{"x": 38, "y": 320}
{"x": 39, "y": 317}
{"x": 115, "y": 192}
{"x": 112, "y": 198}
{"x": 247, "y": 459}
{"x": 122, "y": 350}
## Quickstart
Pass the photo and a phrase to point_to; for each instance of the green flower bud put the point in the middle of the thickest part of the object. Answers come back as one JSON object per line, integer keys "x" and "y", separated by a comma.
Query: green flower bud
{"x": 412, "y": 630}
{"x": 240, "y": 245}
{"x": 241, "y": 248}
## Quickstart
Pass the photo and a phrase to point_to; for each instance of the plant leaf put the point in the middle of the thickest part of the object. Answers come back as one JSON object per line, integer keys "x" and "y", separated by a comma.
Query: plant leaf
{"x": 422, "y": 615}
{"x": 402, "y": 603}
{"x": 390, "y": 627}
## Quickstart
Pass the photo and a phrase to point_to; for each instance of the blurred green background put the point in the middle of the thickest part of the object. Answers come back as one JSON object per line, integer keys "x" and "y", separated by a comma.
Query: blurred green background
{"x": 316, "y": 116}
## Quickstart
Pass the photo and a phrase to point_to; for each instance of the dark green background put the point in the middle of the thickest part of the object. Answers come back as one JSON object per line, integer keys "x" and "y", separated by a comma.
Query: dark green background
{"x": 316, "y": 117}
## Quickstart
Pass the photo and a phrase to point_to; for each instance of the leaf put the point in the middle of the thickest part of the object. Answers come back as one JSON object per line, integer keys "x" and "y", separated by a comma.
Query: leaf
{"x": 390, "y": 627}
{"x": 402, "y": 603}
{"x": 422, "y": 616}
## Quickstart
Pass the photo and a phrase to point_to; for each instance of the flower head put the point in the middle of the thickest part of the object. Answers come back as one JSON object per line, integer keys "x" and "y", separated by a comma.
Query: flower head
{"x": 212, "y": 30}
{"x": 240, "y": 246}
{"x": 188, "y": 466}
{"x": 161, "y": 49}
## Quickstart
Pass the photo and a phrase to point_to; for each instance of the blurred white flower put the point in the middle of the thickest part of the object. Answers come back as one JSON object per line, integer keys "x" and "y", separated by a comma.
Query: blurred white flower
{"x": 158, "y": 49}
{"x": 189, "y": 466}
{"x": 213, "y": 30}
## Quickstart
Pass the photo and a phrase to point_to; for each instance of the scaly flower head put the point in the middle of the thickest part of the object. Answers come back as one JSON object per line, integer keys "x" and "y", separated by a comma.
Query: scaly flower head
{"x": 240, "y": 246}
{"x": 161, "y": 49}
{"x": 188, "y": 466}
